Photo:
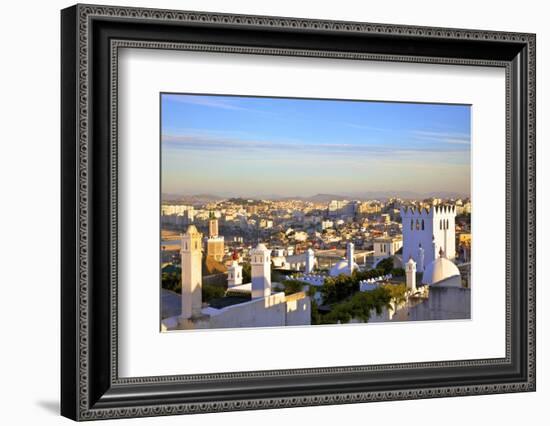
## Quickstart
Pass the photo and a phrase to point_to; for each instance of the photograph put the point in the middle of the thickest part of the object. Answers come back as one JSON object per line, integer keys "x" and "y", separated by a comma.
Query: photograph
{"x": 346, "y": 208}
{"x": 278, "y": 212}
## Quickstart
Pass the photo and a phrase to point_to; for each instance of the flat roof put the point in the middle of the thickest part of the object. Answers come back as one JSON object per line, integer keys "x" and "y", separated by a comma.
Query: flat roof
{"x": 224, "y": 302}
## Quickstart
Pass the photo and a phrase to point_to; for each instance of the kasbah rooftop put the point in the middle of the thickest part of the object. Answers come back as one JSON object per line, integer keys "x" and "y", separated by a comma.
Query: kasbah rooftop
{"x": 252, "y": 263}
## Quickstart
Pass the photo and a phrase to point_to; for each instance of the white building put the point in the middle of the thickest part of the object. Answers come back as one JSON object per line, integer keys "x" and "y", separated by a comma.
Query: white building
{"x": 177, "y": 215}
{"x": 300, "y": 236}
{"x": 175, "y": 209}
{"x": 426, "y": 231}
{"x": 442, "y": 272}
{"x": 295, "y": 262}
{"x": 386, "y": 246}
{"x": 253, "y": 304}
{"x": 345, "y": 266}
{"x": 326, "y": 224}
{"x": 234, "y": 274}
{"x": 447, "y": 298}
{"x": 335, "y": 206}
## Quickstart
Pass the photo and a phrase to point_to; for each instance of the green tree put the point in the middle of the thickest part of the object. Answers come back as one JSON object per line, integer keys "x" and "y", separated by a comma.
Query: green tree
{"x": 210, "y": 292}
{"x": 311, "y": 291}
{"x": 397, "y": 292}
{"x": 337, "y": 289}
{"x": 293, "y": 286}
{"x": 247, "y": 273}
{"x": 359, "y": 307}
{"x": 172, "y": 281}
{"x": 398, "y": 272}
{"x": 385, "y": 265}
{"x": 315, "y": 316}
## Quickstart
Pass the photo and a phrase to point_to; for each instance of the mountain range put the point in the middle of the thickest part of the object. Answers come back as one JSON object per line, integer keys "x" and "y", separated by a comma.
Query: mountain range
{"x": 317, "y": 198}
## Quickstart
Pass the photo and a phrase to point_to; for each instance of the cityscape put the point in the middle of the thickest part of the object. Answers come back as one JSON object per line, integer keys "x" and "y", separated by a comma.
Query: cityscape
{"x": 292, "y": 212}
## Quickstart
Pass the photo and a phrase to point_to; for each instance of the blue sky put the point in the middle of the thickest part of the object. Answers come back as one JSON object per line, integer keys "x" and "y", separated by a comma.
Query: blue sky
{"x": 247, "y": 146}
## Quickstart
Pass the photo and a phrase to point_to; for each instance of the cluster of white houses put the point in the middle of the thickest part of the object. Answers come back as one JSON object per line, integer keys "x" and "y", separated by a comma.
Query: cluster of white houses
{"x": 428, "y": 245}
{"x": 260, "y": 304}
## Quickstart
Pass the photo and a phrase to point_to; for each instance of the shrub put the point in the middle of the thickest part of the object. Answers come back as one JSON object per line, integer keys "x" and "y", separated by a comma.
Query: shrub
{"x": 293, "y": 286}
{"x": 210, "y": 292}
{"x": 359, "y": 307}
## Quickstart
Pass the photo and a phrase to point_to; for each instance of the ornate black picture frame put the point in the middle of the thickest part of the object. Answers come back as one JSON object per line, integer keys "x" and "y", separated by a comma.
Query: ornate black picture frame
{"x": 91, "y": 36}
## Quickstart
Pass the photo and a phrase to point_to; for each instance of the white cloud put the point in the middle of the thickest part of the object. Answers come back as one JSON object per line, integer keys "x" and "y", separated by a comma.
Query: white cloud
{"x": 442, "y": 137}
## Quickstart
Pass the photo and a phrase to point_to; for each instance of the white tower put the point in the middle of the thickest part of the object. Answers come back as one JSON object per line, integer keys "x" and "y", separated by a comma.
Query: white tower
{"x": 261, "y": 271}
{"x": 310, "y": 261}
{"x": 423, "y": 225}
{"x": 191, "y": 273}
{"x": 420, "y": 258}
{"x": 411, "y": 274}
{"x": 234, "y": 274}
{"x": 350, "y": 256}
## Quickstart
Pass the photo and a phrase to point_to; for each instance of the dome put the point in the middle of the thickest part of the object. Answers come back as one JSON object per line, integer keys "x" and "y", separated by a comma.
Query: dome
{"x": 341, "y": 267}
{"x": 439, "y": 270}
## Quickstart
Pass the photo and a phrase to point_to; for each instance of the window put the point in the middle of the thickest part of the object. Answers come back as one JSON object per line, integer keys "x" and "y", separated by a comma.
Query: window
{"x": 422, "y": 224}
{"x": 411, "y": 224}
{"x": 447, "y": 224}
{"x": 440, "y": 224}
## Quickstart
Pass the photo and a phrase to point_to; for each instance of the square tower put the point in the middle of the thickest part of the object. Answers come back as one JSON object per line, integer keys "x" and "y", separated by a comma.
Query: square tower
{"x": 260, "y": 261}
{"x": 191, "y": 273}
{"x": 212, "y": 227}
{"x": 215, "y": 248}
{"x": 426, "y": 231}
